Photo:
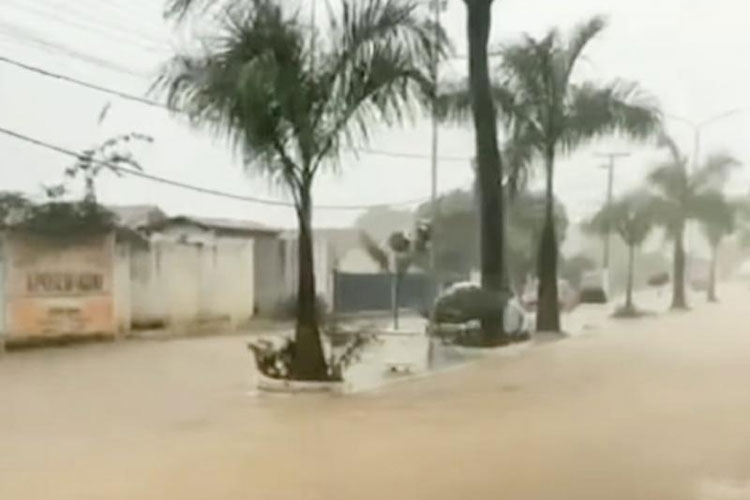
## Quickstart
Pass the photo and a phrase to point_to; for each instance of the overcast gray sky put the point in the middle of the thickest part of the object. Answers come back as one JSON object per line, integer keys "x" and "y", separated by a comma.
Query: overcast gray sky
{"x": 691, "y": 54}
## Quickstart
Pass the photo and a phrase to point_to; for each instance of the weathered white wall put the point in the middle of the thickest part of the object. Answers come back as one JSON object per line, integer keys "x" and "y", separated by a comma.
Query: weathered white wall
{"x": 193, "y": 282}
{"x": 58, "y": 286}
{"x": 269, "y": 271}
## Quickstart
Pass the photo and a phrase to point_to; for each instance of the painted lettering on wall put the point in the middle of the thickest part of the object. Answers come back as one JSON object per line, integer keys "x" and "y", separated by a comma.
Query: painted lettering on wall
{"x": 61, "y": 282}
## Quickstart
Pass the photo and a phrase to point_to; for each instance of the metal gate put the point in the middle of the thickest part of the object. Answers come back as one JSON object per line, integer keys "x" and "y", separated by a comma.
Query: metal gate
{"x": 359, "y": 292}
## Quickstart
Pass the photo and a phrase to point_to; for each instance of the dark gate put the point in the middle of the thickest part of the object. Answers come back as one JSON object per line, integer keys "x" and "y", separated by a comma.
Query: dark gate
{"x": 355, "y": 292}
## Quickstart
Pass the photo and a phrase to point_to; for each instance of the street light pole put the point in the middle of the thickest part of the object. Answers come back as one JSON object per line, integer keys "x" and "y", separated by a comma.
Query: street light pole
{"x": 698, "y": 128}
{"x": 437, "y": 6}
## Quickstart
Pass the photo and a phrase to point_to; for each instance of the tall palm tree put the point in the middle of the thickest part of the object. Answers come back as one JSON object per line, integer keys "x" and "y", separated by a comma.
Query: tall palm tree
{"x": 717, "y": 222}
{"x": 489, "y": 162}
{"x": 681, "y": 196}
{"x": 289, "y": 106}
{"x": 632, "y": 218}
{"x": 540, "y": 102}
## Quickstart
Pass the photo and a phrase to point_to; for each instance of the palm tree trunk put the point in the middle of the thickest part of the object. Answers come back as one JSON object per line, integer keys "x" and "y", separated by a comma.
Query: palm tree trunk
{"x": 395, "y": 285}
{"x": 678, "y": 286}
{"x": 712, "y": 276}
{"x": 309, "y": 362}
{"x": 548, "y": 305}
{"x": 489, "y": 166}
{"x": 631, "y": 270}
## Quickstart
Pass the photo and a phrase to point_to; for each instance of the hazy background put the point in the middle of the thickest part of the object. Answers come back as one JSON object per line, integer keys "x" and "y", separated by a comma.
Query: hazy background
{"x": 689, "y": 53}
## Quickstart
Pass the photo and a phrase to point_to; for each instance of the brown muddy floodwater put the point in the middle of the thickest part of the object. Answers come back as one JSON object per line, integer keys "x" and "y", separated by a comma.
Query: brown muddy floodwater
{"x": 656, "y": 409}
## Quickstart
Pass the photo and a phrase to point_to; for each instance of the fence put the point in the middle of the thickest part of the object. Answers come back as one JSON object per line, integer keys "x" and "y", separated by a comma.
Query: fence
{"x": 358, "y": 292}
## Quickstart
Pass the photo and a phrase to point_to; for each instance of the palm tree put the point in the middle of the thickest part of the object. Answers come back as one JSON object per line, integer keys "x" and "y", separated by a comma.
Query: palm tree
{"x": 742, "y": 212}
{"x": 631, "y": 217}
{"x": 489, "y": 162}
{"x": 681, "y": 196}
{"x": 396, "y": 257}
{"x": 717, "y": 222}
{"x": 540, "y": 103}
{"x": 289, "y": 106}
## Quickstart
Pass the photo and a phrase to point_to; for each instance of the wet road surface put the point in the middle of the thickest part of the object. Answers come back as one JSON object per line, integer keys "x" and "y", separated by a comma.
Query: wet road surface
{"x": 653, "y": 409}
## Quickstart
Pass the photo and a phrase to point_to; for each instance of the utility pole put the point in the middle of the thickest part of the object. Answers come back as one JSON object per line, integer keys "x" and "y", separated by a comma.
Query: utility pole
{"x": 437, "y": 7}
{"x": 607, "y": 238}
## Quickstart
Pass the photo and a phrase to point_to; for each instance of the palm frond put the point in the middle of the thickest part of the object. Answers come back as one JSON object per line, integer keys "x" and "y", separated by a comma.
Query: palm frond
{"x": 526, "y": 72}
{"x": 666, "y": 141}
{"x": 247, "y": 86}
{"x": 518, "y": 155}
{"x": 715, "y": 171}
{"x": 381, "y": 63}
{"x": 631, "y": 216}
{"x": 453, "y": 102}
{"x": 374, "y": 251}
{"x": 178, "y": 10}
{"x": 742, "y": 214}
{"x": 582, "y": 35}
{"x": 595, "y": 111}
{"x": 715, "y": 213}
{"x": 670, "y": 180}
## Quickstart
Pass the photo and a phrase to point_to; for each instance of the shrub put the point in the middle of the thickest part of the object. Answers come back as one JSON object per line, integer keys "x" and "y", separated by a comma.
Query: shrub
{"x": 60, "y": 219}
{"x": 276, "y": 361}
{"x": 464, "y": 302}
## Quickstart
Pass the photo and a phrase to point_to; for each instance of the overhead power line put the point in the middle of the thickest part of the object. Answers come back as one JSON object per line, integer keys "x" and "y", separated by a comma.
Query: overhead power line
{"x": 16, "y": 34}
{"x": 81, "y": 83}
{"x": 75, "y": 21}
{"x": 111, "y": 16}
{"x": 156, "y": 104}
{"x": 214, "y": 192}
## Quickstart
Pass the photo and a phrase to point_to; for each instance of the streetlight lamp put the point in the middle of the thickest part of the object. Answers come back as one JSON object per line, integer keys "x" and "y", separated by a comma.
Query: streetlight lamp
{"x": 699, "y": 126}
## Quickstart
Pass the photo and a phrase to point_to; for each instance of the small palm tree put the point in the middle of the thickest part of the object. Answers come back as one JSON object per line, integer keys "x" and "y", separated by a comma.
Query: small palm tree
{"x": 540, "y": 103}
{"x": 632, "y": 218}
{"x": 681, "y": 196}
{"x": 396, "y": 257}
{"x": 290, "y": 97}
{"x": 717, "y": 221}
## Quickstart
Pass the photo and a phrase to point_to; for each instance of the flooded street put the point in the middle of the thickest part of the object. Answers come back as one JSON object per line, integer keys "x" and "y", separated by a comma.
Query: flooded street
{"x": 656, "y": 408}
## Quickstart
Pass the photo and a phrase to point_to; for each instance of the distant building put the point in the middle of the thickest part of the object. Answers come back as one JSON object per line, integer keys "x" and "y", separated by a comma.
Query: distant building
{"x": 137, "y": 216}
{"x": 201, "y": 271}
{"x": 176, "y": 274}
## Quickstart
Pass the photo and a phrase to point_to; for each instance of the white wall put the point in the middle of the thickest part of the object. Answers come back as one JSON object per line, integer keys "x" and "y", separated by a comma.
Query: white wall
{"x": 193, "y": 284}
{"x": 270, "y": 289}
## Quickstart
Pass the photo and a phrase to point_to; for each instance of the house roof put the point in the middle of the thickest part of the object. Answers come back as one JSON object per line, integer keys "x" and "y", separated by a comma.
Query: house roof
{"x": 234, "y": 226}
{"x": 340, "y": 240}
{"x": 137, "y": 216}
